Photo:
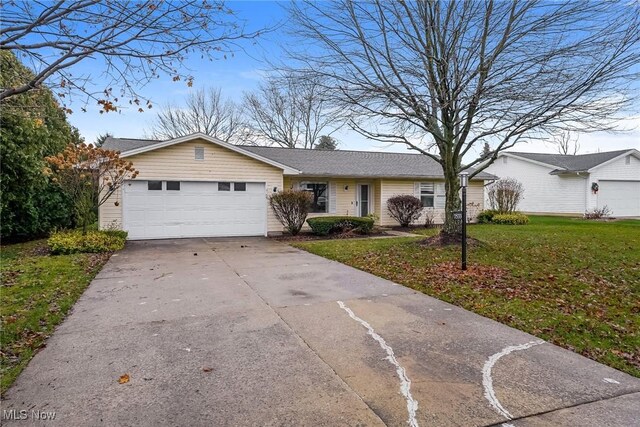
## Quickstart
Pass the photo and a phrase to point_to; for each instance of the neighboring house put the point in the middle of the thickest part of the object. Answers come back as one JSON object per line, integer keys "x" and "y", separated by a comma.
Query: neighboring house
{"x": 565, "y": 184}
{"x": 199, "y": 186}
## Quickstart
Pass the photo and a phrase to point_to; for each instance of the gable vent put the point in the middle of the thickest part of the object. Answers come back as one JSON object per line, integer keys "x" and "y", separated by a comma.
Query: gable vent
{"x": 199, "y": 153}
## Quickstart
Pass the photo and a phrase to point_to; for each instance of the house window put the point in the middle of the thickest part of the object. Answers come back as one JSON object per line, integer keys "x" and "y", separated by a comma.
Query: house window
{"x": 173, "y": 185}
{"x": 319, "y": 192}
{"x": 154, "y": 185}
{"x": 427, "y": 194}
{"x": 199, "y": 153}
{"x": 240, "y": 186}
{"x": 224, "y": 186}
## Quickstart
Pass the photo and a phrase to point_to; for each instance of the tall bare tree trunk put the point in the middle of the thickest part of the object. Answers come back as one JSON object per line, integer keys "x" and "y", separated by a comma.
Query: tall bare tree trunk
{"x": 446, "y": 78}
{"x": 452, "y": 202}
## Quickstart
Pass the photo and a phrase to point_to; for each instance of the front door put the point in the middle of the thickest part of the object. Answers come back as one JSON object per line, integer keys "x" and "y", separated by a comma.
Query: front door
{"x": 363, "y": 199}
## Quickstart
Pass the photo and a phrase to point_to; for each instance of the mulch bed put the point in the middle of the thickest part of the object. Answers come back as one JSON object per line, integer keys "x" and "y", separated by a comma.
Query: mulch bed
{"x": 306, "y": 236}
{"x": 414, "y": 227}
{"x": 440, "y": 240}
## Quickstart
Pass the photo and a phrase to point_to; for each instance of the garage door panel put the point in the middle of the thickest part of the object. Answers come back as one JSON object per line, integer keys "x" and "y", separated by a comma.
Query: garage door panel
{"x": 197, "y": 209}
{"x": 621, "y": 197}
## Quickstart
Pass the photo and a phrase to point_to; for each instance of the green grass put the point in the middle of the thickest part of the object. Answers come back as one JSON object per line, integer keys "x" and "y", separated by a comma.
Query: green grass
{"x": 572, "y": 282}
{"x": 37, "y": 292}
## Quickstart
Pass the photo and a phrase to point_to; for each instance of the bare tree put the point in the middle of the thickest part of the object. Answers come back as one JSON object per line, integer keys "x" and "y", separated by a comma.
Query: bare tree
{"x": 130, "y": 43}
{"x": 566, "y": 144}
{"x": 291, "y": 111}
{"x": 205, "y": 111}
{"x": 446, "y": 77}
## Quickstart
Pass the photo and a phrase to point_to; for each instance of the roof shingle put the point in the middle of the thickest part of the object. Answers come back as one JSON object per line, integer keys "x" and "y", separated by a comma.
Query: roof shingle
{"x": 571, "y": 163}
{"x": 326, "y": 163}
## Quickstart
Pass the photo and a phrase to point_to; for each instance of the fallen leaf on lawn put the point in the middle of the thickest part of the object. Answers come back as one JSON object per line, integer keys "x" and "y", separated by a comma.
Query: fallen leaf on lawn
{"x": 123, "y": 379}
{"x": 207, "y": 369}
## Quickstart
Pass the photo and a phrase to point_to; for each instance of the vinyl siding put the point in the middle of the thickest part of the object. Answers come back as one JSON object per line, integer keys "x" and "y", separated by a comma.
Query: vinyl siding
{"x": 543, "y": 193}
{"x": 617, "y": 170}
{"x": 177, "y": 162}
{"x": 345, "y": 199}
{"x": 390, "y": 188}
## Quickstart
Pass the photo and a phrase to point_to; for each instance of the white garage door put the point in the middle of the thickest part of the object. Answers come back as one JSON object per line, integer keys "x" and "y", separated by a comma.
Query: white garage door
{"x": 167, "y": 209}
{"x": 621, "y": 197}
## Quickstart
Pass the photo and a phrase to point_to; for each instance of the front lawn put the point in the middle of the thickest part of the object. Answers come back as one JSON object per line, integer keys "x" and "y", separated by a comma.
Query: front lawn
{"x": 38, "y": 289}
{"x": 572, "y": 282}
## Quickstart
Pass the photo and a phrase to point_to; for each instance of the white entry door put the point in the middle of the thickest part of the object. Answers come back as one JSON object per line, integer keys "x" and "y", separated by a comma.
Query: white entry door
{"x": 363, "y": 199}
{"x": 621, "y": 197}
{"x": 170, "y": 209}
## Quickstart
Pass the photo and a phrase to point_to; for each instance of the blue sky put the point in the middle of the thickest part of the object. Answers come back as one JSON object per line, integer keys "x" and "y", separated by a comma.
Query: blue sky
{"x": 243, "y": 73}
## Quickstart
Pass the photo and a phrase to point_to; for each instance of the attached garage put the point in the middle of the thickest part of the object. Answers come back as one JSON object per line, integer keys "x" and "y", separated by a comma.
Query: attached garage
{"x": 193, "y": 186}
{"x": 621, "y": 197}
{"x": 157, "y": 209}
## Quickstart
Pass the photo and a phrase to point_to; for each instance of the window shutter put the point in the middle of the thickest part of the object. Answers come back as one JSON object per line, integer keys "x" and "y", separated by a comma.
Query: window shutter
{"x": 440, "y": 195}
{"x": 416, "y": 189}
{"x": 332, "y": 197}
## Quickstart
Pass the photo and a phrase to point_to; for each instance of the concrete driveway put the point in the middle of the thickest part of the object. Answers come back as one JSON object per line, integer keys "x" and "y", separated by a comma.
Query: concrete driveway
{"x": 253, "y": 332}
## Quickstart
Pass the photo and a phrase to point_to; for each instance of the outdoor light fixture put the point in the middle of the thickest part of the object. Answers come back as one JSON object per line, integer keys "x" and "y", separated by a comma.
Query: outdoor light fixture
{"x": 464, "y": 181}
{"x": 275, "y": 189}
{"x": 346, "y": 188}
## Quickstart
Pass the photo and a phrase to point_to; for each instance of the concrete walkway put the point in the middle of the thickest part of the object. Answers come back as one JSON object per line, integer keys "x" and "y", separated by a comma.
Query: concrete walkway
{"x": 236, "y": 332}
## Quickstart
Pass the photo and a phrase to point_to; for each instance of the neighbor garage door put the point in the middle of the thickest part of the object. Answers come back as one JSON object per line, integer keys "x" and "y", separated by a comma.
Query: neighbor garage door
{"x": 621, "y": 197}
{"x": 167, "y": 209}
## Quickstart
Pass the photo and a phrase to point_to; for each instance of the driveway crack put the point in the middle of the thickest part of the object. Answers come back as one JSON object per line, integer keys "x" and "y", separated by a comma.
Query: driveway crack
{"x": 324, "y": 362}
{"x": 576, "y": 405}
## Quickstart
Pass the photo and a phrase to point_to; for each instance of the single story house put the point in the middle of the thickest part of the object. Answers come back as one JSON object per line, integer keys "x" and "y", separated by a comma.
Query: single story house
{"x": 199, "y": 186}
{"x": 572, "y": 185}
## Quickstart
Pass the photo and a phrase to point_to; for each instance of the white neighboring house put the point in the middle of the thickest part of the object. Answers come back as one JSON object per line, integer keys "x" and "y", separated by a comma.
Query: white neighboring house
{"x": 565, "y": 184}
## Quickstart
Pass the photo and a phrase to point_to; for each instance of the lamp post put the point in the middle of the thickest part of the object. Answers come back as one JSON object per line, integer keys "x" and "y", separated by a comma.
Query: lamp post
{"x": 464, "y": 181}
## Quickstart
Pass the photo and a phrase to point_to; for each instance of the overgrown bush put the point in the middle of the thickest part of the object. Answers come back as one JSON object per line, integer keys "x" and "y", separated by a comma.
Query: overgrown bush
{"x": 486, "y": 216}
{"x": 32, "y": 126}
{"x": 598, "y": 213}
{"x": 405, "y": 209}
{"x": 291, "y": 207}
{"x": 71, "y": 242}
{"x": 505, "y": 195}
{"x": 324, "y": 225}
{"x": 510, "y": 219}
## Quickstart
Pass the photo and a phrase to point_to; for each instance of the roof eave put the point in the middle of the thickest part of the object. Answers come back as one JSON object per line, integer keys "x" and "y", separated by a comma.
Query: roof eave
{"x": 286, "y": 169}
{"x": 486, "y": 177}
{"x": 567, "y": 172}
{"x": 632, "y": 152}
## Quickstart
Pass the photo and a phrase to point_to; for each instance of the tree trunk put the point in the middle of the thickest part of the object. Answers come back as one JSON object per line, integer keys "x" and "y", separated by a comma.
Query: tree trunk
{"x": 452, "y": 202}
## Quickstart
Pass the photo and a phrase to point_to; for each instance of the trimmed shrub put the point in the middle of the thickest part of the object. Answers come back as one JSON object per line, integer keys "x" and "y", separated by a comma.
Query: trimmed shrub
{"x": 72, "y": 242}
{"x": 405, "y": 209}
{"x": 291, "y": 207}
{"x": 324, "y": 225}
{"x": 510, "y": 219}
{"x": 120, "y": 234}
{"x": 486, "y": 216}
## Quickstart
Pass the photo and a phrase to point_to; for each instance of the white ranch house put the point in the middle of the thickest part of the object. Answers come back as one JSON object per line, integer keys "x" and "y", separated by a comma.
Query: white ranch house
{"x": 570, "y": 185}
